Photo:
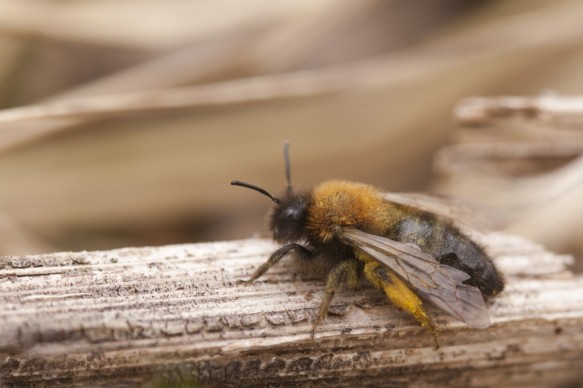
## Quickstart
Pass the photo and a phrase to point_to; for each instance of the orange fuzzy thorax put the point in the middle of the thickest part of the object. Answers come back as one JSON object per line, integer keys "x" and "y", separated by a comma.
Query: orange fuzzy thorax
{"x": 337, "y": 204}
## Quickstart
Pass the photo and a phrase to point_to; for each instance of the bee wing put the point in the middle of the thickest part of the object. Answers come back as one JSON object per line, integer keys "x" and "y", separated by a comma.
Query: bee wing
{"x": 440, "y": 284}
{"x": 462, "y": 212}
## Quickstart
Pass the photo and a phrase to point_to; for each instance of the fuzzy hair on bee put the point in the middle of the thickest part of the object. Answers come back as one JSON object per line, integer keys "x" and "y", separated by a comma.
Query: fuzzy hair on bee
{"x": 412, "y": 255}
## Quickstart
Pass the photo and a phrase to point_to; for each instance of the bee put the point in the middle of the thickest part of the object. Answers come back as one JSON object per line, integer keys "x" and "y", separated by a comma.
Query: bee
{"x": 411, "y": 254}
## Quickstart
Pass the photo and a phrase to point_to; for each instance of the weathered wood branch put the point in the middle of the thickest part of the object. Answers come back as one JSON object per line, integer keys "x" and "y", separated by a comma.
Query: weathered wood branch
{"x": 559, "y": 111}
{"x": 178, "y": 313}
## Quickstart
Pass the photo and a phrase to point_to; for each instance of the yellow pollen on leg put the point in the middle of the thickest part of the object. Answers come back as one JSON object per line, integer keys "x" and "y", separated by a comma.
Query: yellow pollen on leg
{"x": 398, "y": 293}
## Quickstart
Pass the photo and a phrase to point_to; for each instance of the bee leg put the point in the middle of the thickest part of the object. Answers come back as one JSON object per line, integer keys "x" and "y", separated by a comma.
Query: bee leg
{"x": 399, "y": 294}
{"x": 300, "y": 251}
{"x": 344, "y": 273}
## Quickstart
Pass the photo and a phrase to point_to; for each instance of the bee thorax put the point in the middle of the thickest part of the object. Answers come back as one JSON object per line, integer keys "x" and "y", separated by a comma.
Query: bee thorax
{"x": 339, "y": 204}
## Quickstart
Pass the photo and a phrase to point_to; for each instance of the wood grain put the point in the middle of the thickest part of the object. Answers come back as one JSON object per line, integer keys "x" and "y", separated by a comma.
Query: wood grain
{"x": 559, "y": 112}
{"x": 160, "y": 316}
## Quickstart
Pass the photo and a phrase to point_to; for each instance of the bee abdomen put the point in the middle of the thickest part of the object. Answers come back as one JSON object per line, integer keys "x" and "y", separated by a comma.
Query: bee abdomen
{"x": 442, "y": 240}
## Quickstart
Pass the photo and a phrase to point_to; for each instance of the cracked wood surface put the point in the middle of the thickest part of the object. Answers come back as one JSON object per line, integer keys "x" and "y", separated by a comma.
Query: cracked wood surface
{"x": 158, "y": 316}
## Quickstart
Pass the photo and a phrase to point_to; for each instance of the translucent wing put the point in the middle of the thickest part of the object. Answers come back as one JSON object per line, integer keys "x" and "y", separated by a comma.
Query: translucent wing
{"x": 463, "y": 212}
{"x": 439, "y": 284}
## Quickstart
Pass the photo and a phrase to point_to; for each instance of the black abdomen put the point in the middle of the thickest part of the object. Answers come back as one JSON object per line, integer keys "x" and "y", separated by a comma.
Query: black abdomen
{"x": 441, "y": 239}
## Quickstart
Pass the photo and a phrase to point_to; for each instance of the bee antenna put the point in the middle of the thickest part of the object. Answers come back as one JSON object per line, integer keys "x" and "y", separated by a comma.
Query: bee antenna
{"x": 287, "y": 167}
{"x": 256, "y": 188}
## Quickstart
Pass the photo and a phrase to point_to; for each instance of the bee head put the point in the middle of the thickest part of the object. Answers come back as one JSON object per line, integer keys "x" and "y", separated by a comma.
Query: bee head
{"x": 288, "y": 218}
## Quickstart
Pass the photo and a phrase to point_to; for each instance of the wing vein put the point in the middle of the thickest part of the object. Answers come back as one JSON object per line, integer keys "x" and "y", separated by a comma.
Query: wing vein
{"x": 439, "y": 284}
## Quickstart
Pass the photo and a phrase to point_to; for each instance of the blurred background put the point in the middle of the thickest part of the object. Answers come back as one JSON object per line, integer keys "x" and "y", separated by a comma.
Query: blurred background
{"x": 122, "y": 122}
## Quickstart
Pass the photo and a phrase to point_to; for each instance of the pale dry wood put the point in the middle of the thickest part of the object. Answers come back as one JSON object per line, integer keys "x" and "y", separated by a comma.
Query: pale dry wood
{"x": 178, "y": 313}
{"x": 523, "y": 154}
{"x": 553, "y": 110}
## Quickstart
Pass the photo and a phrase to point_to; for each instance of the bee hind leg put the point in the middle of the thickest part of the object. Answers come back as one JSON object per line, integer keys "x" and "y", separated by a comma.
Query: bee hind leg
{"x": 300, "y": 252}
{"x": 344, "y": 273}
{"x": 399, "y": 294}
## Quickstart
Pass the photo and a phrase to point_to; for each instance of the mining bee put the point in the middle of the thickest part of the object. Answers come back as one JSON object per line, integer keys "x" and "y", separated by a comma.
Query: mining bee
{"x": 411, "y": 254}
